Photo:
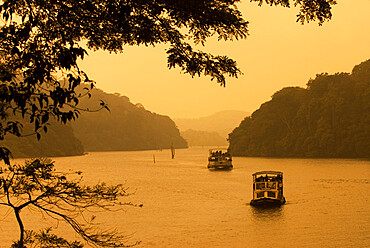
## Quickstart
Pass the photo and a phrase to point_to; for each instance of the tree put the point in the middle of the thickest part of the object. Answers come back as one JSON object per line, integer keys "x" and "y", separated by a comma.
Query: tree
{"x": 61, "y": 196}
{"x": 40, "y": 44}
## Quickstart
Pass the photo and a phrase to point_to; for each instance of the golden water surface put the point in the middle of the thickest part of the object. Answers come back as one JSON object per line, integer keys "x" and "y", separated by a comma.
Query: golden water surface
{"x": 186, "y": 205}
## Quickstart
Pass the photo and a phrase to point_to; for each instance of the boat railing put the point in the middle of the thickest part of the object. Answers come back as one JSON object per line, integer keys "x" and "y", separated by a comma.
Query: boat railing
{"x": 220, "y": 158}
{"x": 265, "y": 185}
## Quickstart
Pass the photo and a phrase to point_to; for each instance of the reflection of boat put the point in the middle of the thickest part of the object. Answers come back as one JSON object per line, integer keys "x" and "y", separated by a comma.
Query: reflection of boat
{"x": 219, "y": 159}
{"x": 268, "y": 188}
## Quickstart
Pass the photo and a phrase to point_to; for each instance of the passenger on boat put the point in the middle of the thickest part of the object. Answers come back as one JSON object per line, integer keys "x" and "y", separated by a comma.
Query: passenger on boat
{"x": 259, "y": 179}
{"x": 279, "y": 178}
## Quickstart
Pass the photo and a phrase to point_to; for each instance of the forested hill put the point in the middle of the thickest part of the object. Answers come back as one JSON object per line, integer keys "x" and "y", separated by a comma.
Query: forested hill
{"x": 125, "y": 127}
{"x": 328, "y": 119}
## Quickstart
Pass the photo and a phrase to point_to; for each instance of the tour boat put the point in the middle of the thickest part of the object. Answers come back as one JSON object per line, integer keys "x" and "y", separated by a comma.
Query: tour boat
{"x": 219, "y": 159}
{"x": 268, "y": 189}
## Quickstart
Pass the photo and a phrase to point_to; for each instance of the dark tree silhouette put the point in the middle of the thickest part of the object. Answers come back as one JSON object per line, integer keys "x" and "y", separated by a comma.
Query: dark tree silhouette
{"x": 62, "y": 196}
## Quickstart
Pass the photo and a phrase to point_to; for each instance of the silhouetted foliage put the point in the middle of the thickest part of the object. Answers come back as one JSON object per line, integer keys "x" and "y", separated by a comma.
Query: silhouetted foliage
{"x": 62, "y": 196}
{"x": 125, "y": 127}
{"x": 40, "y": 47}
{"x": 310, "y": 10}
{"x": 45, "y": 239}
{"x": 331, "y": 118}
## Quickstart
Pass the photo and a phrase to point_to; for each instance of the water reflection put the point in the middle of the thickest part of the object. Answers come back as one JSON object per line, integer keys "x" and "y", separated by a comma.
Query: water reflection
{"x": 327, "y": 201}
{"x": 263, "y": 213}
{"x": 220, "y": 170}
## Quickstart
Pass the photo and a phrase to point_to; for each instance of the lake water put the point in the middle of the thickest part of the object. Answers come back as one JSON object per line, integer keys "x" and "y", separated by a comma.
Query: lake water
{"x": 186, "y": 205}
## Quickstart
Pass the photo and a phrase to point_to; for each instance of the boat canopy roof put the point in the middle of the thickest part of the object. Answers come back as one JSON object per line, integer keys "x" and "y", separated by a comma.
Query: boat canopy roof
{"x": 218, "y": 149}
{"x": 268, "y": 172}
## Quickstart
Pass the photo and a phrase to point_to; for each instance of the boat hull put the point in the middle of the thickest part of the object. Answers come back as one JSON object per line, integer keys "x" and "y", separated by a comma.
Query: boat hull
{"x": 220, "y": 167}
{"x": 268, "y": 202}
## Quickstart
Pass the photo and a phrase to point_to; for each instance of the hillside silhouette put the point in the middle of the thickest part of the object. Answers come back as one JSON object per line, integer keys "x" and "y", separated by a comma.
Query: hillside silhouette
{"x": 328, "y": 119}
{"x": 125, "y": 127}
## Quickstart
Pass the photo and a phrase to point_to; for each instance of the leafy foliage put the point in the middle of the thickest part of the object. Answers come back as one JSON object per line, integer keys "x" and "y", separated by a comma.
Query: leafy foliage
{"x": 62, "y": 196}
{"x": 331, "y": 118}
{"x": 310, "y": 10}
{"x": 40, "y": 45}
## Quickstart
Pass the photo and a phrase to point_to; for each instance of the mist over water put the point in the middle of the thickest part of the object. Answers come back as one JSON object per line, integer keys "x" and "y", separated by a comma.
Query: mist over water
{"x": 186, "y": 205}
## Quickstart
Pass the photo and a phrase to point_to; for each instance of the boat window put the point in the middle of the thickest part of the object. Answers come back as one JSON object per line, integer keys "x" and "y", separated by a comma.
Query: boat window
{"x": 260, "y": 194}
{"x": 260, "y": 185}
{"x": 271, "y": 194}
{"x": 271, "y": 185}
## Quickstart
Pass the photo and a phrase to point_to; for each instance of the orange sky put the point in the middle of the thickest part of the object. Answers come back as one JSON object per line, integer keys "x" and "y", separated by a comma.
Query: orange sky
{"x": 279, "y": 52}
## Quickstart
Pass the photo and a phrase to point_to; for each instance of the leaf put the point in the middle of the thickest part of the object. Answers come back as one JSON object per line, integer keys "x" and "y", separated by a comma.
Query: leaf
{"x": 45, "y": 118}
{"x": 37, "y": 124}
{"x": 15, "y": 50}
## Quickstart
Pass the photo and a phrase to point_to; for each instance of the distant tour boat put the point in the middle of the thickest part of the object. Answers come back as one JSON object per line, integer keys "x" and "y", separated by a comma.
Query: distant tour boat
{"x": 219, "y": 159}
{"x": 268, "y": 189}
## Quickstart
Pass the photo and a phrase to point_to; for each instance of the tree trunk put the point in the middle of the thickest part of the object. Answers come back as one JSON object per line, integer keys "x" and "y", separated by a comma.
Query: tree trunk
{"x": 21, "y": 228}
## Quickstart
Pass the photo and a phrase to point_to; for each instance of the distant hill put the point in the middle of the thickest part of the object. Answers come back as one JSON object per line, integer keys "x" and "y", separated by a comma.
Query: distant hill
{"x": 203, "y": 138}
{"x": 125, "y": 127}
{"x": 221, "y": 122}
{"x": 328, "y": 119}
{"x": 58, "y": 141}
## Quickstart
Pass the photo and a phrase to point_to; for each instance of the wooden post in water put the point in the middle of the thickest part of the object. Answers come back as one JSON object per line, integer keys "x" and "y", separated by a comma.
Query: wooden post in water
{"x": 172, "y": 151}
{"x": 153, "y": 158}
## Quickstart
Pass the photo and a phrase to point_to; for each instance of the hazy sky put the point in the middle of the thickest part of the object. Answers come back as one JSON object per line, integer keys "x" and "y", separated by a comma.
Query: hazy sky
{"x": 279, "y": 52}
